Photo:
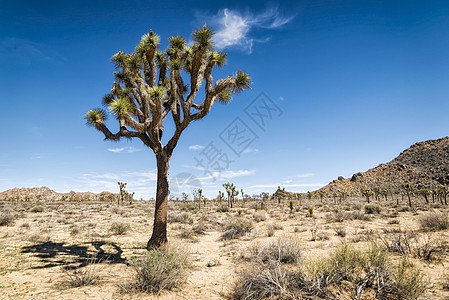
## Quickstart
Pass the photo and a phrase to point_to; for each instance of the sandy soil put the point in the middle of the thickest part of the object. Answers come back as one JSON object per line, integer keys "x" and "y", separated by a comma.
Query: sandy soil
{"x": 40, "y": 249}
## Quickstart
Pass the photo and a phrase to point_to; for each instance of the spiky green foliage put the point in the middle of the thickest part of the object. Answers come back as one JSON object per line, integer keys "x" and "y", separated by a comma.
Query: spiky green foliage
{"x": 156, "y": 92}
{"x": 242, "y": 82}
{"x": 218, "y": 58}
{"x": 125, "y": 60}
{"x": 225, "y": 97}
{"x": 177, "y": 42}
{"x": 175, "y": 64}
{"x": 107, "y": 99}
{"x": 148, "y": 41}
{"x": 95, "y": 116}
{"x": 120, "y": 107}
{"x": 203, "y": 37}
{"x": 119, "y": 59}
{"x": 187, "y": 64}
{"x": 161, "y": 59}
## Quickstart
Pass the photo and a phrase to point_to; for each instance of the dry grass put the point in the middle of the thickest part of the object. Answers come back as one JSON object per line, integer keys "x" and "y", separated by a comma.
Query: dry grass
{"x": 435, "y": 220}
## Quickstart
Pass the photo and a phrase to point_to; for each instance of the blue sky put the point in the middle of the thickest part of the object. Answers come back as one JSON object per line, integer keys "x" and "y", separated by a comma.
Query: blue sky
{"x": 354, "y": 83}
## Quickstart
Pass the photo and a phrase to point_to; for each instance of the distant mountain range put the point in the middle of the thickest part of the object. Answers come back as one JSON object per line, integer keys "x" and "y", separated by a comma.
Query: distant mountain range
{"x": 46, "y": 194}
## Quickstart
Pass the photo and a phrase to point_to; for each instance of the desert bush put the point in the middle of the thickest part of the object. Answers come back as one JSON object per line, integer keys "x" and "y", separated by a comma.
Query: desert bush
{"x": 190, "y": 207}
{"x": 158, "y": 270}
{"x": 237, "y": 227}
{"x": 223, "y": 209}
{"x": 409, "y": 244}
{"x": 74, "y": 230}
{"x": 393, "y": 222}
{"x": 408, "y": 281}
{"x": 199, "y": 228}
{"x": 260, "y": 216}
{"x": 118, "y": 228}
{"x": 81, "y": 276}
{"x": 37, "y": 208}
{"x": 270, "y": 281}
{"x": 346, "y": 269}
{"x": 283, "y": 250}
{"x": 340, "y": 231}
{"x": 338, "y": 216}
{"x": 372, "y": 209}
{"x": 433, "y": 221}
{"x": 6, "y": 219}
{"x": 183, "y": 218}
{"x": 357, "y": 215}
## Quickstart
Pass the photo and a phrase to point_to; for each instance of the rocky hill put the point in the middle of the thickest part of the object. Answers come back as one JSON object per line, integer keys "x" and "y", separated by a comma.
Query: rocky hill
{"x": 424, "y": 165}
{"x": 46, "y": 194}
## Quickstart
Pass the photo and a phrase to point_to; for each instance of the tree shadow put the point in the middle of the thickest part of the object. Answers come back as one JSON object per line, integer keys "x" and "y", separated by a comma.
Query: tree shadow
{"x": 74, "y": 256}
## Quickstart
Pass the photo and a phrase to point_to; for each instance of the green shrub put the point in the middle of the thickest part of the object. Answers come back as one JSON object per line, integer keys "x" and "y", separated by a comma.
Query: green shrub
{"x": 372, "y": 209}
{"x": 183, "y": 218}
{"x": 237, "y": 227}
{"x": 119, "y": 228}
{"x": 223, "y": 209}
{"x": 158, "y": 270}
{"x": 37, "y": 208}
{"x": 409, "y": 283}
{"x": 190, "y": 207}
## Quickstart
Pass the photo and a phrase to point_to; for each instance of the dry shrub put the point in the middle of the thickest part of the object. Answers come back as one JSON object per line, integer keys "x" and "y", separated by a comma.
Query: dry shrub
{"x": 260, "y": 216}
{"x": 37, "y": 208}
{"x": 283, "y": 250}
{"x": 345, "y": 270}
{"x": 237, "y": 227}
{"x": 223, "y": 209}
{"x": 372, "y": 209}
{"x": 271, "y": 281}
{"x": 434, "y": 221}
{"x": 183, "y": 218}
{"x": 409, "y": 244}
{"x": 158, "y": 270}
{"x": 85, "y": 276}
{"x": 340, "y": 231}
{"x": 6, "y": 219}
{"x": 359, "y": 216}
{"x": 119, "y": 228}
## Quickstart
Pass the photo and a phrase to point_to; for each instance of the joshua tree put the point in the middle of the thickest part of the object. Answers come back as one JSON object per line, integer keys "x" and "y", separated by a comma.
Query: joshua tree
{"x": 185, "y": 196}
{"x": 321, "y": 194}
{"x": 150, "y": 86}
{"x": 122, "y": 186}
{"x": 425, "y": 193}
{"x": 232, "y": 192}
{"x": 443, "y": 191}
{"x": 220, "y": 197}
{"x": 377, "y": 193}
{"x": 367, "y": 193}
{"x": 408, "y": 190}
{"x": 196, "y": 197}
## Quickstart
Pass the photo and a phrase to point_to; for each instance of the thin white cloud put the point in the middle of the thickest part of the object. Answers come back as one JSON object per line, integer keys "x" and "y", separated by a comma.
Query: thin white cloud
{"x": 234, "y": 29}
{"x": 249, "y": 150}
{"x": 227, "y": 174}
{"x": 287, "y": 185}
{"x": 196, "y": 147}
{"x": 124, "y": 150}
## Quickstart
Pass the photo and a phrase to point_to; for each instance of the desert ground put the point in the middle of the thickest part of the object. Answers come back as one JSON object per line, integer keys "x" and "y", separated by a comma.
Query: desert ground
{"x": 85, "y": 250}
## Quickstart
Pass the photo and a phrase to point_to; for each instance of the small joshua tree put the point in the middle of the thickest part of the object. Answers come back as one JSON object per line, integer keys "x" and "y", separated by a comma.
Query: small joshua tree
{"x": 122, "y": 186}
{"x": 408, "y": 190}
{"x": 367, "y": 193}
{"x": 151, "y": 85}
{"x": 425, "y": 193}
{"x": 232, "y": 192}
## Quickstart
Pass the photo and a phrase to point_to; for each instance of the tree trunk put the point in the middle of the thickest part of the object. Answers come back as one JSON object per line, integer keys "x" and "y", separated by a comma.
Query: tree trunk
{"x": 159, "y": 235}
{"x": 409, "y": 200}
